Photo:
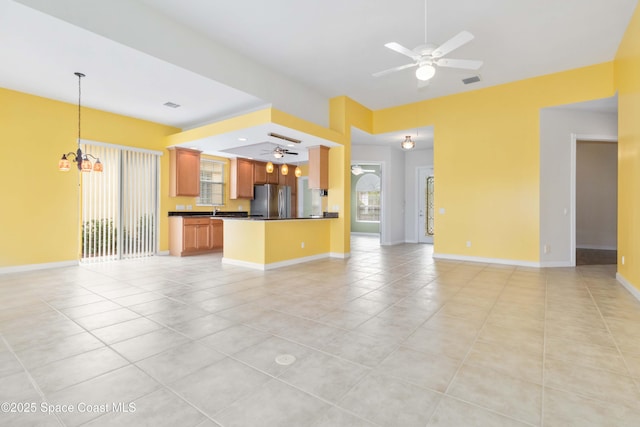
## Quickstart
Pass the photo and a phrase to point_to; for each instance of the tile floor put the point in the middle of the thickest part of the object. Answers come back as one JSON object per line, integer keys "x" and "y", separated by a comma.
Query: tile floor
{"x": 389, "y": 337}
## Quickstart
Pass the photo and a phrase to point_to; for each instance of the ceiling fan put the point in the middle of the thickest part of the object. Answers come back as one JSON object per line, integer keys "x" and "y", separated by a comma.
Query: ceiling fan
{"x": 428, "y": 56}
{"x": 279, "y": 152}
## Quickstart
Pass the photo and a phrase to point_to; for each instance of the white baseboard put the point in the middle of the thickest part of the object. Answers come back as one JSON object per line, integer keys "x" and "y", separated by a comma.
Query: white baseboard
{"x": 344, "y": 255}
{"x": 35, "y": 267}
{"x": 628, "y": 286}
{"x": 273, "y": 265}
{"x": 486, "y": 260}
{"x": 162, "y": 253}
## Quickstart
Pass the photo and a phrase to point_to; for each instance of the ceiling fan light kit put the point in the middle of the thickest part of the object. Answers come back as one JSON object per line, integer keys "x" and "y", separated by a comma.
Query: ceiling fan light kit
{"x": 428, "y": 57}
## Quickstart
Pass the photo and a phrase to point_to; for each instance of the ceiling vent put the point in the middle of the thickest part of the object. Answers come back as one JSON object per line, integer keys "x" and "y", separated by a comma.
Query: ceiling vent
{"x": 284, "y": 138}
{"x": 469, "y": 80}
{"x": 171, "y": 104}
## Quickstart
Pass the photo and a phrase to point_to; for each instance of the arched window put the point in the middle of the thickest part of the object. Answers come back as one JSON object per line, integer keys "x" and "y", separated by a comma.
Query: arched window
{"x": 368, "y": 198}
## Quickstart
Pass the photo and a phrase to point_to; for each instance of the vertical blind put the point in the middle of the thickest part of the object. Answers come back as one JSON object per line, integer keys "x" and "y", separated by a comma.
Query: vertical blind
{"x": 119, "y": 207}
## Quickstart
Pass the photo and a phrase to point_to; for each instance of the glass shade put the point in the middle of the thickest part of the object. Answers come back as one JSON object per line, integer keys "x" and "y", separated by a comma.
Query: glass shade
{"x": 298, "y": 172}
{"x": 97, "y": 166}
{"x": 284, "y": 169}
{"x": 269, "y": 167}
{"x": 86, "y": 165}
{"x": 407, "y": 144}
{"x": 63, "y": 164}
{"x": 425, "y": 72}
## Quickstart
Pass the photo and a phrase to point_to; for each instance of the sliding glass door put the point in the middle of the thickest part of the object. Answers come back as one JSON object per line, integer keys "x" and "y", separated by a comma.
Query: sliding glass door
{"x": 119, "y": 207}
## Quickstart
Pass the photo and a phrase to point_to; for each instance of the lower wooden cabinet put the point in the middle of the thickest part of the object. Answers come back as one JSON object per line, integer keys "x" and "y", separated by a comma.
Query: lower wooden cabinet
{"x": 192, "y": 236}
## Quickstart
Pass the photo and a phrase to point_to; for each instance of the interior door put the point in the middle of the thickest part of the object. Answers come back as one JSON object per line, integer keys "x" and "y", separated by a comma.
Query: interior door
{"x": 425, "y": 205}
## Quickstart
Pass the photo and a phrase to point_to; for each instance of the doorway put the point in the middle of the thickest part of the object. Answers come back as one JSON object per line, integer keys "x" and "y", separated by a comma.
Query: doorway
{"x": 596, "y": 203}
{"x": 366, "y": 198}
{"x": 426, "y": 214}
{"x": 120, "y": 205}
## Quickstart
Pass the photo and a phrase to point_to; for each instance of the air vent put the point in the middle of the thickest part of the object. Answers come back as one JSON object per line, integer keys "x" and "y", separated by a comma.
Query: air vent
{"x": 470, "y": 80}
{"x": 284, "y": 138}
{"x": 171, "y": 104}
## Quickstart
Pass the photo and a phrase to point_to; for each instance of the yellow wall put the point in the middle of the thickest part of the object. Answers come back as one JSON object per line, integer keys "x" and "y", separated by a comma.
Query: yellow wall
{"x": 486, "y": 159}
{"x": 268, "y": 242}
{"x": 627, "y": 79}
{"x": 39, "y": 216}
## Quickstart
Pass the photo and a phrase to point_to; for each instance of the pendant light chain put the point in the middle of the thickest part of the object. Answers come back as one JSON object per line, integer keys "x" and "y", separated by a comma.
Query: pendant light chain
{"x": 80, "y": 76}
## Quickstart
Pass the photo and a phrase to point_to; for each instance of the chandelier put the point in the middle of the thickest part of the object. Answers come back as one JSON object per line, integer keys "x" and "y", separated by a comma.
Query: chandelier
{"x": 80, "y": 158}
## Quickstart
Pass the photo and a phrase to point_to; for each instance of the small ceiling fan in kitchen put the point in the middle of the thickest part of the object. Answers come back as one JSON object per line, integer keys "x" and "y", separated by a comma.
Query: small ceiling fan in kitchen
{"x": 279, "y": 152}
{"x": 428, "y": 57}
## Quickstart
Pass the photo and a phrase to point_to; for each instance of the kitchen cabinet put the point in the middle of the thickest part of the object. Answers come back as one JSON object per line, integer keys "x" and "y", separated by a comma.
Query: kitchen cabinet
{"x": 289, "y": 179}
{"x": 217, "y": 236}
{"x": 319, "y": 167}
{"x": 194, "y": 235}
{"x": 184, "y": 172}
{"x": 274, "y": 177}
{"x": 259, "y": 173}
{"x": 241, "y": 179}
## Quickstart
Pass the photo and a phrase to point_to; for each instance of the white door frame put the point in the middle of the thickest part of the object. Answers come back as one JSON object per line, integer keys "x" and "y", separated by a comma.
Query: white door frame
{"x": 575, "y": 137}
{"x": 419, "y": 224}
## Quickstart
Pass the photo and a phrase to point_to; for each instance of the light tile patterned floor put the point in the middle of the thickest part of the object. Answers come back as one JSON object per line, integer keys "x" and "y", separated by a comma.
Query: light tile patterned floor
{"x": 389, "y": 337}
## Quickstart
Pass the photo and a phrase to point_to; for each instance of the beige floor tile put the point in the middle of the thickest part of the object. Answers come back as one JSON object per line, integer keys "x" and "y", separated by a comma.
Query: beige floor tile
{"x": 215, "y": 387}
{"x": 125, "y": 330}
{"x": 106, "y": 318}
{"x": 452, "y": 412}
{"x": 336, "y": 417}
{"x": 585, "y": 335}
{"x": 362, "y": 349}
{"x": 388, "y": 401}
{"x": 262, "y": 356}
{"x": 234, "y": 339}
{"x": 510, "y": 360}
{"x": 325, "y": 376}
{"x": 122, "y": 386}
{"x": 593, "y": 356}
{"x": 436, "y": 341}
{"x": 146, "y": 345}
{"x": 53, "y": 349}
{"x": 507, "y": 395}
{"x": 273, "y": 404}
{"x": 428, "y": 370}
{"x": 75, "y": 369}
{"x": 178, "y": 362}
{"x": 589, "y": 382}
{"x": 161, "y": 408}
{"x": 563, "y": 409}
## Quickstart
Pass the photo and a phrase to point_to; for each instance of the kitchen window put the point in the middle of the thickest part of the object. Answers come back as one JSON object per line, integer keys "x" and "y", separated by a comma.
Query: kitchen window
{"x": 211, "y": 183}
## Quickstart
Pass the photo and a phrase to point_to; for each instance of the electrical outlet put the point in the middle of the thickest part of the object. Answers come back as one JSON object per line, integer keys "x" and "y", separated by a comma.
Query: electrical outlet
{"x": 622, "y": 260}
{"x": 442, "y": 211}
{"x": 189, "y": 207}
{"x": 547, "y": 248}
{"x": 468, "y": 243}
{"x": 179, "y": 207}
{"x": 302, "y": 245}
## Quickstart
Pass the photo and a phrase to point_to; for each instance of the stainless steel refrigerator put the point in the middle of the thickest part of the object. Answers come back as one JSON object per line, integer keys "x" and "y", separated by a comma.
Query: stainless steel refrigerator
{"x": 271, "y": 201}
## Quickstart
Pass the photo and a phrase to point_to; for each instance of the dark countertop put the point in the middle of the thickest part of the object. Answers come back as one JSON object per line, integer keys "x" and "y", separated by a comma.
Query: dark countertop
{"x": 261, "y": 218}
{"x": 221, "y": 214}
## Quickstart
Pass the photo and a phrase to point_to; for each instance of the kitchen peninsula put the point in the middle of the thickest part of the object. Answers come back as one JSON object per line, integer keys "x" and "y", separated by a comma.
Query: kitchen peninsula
{"x": 267, "y": 243}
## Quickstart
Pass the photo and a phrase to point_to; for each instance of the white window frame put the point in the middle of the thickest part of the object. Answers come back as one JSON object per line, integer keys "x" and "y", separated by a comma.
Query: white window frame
{"x": 221, "y": 183}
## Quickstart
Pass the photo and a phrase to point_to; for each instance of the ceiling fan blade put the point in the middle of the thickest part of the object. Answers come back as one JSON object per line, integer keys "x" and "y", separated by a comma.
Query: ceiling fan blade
{"x": 392, "y": 70}
{"x": 467, "y": 64}
{"x": 292, "y": 153}
{"x": 452, "y": 44}
{"x": 397, "y": 47}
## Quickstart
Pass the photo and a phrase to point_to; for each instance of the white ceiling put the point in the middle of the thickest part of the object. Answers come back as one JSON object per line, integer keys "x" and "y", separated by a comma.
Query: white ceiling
{"x": 249, "y": 54}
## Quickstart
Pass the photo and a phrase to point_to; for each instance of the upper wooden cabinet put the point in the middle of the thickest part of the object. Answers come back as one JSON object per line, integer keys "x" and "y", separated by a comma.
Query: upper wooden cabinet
{"x": 241, "y": 179}
{"x": 319, "y": 167}
{"x": 184, "y": 176}
{"x": 288, "y": 179}
{"x": 274, "y": 177}
{"x": 259, "y": 173}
